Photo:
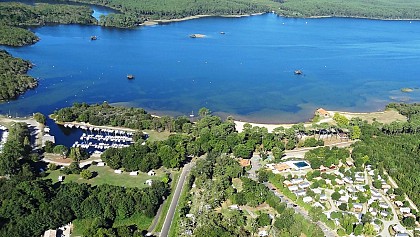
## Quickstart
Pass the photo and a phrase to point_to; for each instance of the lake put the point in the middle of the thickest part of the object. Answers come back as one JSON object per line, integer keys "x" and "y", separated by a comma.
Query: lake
{"x": 248, "y": 72}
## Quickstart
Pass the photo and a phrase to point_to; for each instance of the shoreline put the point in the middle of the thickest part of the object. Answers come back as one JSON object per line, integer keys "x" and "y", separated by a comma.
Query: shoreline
{"x": 165, "y": 21}
{"x": 365, "y": 116}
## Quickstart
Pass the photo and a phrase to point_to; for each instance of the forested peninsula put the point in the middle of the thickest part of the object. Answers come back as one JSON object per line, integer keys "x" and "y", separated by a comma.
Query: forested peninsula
{"x": 13, "y": 16}
{"x": 13, "y": 78}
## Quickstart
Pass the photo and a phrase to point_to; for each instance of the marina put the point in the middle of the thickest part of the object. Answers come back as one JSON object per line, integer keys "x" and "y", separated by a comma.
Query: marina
{"x": 96, "y": 140}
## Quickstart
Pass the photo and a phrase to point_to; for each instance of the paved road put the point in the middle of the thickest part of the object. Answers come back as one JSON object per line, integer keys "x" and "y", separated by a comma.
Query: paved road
{"x": 291, "y": 204}
{"x": 174, "y": 203}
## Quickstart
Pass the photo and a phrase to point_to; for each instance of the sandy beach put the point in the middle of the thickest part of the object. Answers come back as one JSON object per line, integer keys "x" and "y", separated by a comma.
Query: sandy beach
{"x": 386, "y": 116}
{"x": 155, "y": 22}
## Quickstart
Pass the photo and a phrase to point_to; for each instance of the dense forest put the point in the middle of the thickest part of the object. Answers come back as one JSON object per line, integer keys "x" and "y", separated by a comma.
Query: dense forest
{"x": 29, "y": 207}
{"x": 13, "y": 78}
{"x": 382, "y": 9}
{"x": 16, "y": 15}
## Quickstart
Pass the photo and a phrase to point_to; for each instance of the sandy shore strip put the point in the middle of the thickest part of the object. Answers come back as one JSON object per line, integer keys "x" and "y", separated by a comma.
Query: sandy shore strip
{"x": 386, "y": 116}
{"x": 155, "y": 22}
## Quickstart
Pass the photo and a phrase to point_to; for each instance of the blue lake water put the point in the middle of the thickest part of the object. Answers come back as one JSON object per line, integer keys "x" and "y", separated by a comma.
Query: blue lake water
{"x": 248, "y": 72}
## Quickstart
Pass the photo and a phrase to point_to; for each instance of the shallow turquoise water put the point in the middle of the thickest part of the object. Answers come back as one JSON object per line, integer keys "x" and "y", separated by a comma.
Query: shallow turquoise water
{"x": 348, "y": 64}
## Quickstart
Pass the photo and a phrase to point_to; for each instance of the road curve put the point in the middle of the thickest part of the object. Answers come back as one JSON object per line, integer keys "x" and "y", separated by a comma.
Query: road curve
{"x": 174, "y": 203}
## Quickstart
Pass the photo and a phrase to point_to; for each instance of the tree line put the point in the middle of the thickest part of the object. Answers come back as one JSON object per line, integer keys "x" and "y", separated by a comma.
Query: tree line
{"x": 13, "y": 78}
{"x": 15, "y": 16}
{"x": 382, "y": 9}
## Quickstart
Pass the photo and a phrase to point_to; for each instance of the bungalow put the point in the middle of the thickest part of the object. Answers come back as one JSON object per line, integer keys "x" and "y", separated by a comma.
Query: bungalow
{"x": 333, "y": 167}
{"x": 323, "y": 197}
{"x": 360, "y": 188}
{"x": 304, "y": 185}
{"x": 322, "y": 112}
{"x": 349, "y": 163}
{"x": 327, "y": 181}
{"x": 383, "y": 205}
{"x": 287, "y": 183}
{"x": 399, "y": 203}
{"x": 293, "y": 188}
{"x": 262, "y": 233}
{"x": 402, "y": 235}
{"x": 317, "y": 191}
{"x": 386, "y": 186}
{"x": 134, "y": 173}
{"x": 275, "y": 171}
{"x": 283, "y": 167}
{"x": 307, "y": 199}
{"x": 245, "y": 162}
{"x": 234, "y": 207}
{"x": 384, "y": 213}
{"x": 398, "y": 229}
{"x": 149, "y": 182}
{"x": 60, "y": 178}
{"x": 344, "y": 198}
{"x": 371, "y": 173}
{"x": 373, "y": 211}
{"x": 297, "y": 181}
{"x": 189, "y": 215}
{"x": 405, "y": 210}
{"x": 348, "y": 180}
{"x": 351, "y": 189}
{"x": 322, "y": 168}
{"x": 100, "y": 164}
{"x": 375, "y": 193}
{"x": 339, "y": 181}
{"x": 300, "y": 193}
{"x": 358, "y": 207}
{"x": 317, "y": 204}
{"x": 392, "y": 196}
{"x": 338, "y": 173}
{"x": 118, "y": 171}
{"x": 151, "y": 173}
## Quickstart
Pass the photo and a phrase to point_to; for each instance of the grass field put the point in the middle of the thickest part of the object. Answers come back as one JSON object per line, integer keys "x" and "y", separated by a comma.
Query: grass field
{"x": 157, "y": 136}
{"x": 167, "y": 203}
{"x": 106, "y": 175}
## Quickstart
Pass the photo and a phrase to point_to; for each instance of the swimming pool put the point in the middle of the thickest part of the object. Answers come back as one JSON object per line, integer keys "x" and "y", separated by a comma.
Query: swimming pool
{"x": 301, "y": 164}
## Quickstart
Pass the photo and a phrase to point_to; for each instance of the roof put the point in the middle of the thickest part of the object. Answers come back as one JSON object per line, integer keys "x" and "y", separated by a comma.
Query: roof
{"x": 50, "y": 233}
{"x": 245, "y": 162}
{"x": 322, "y": 111}
{"x": 282, "y": 167}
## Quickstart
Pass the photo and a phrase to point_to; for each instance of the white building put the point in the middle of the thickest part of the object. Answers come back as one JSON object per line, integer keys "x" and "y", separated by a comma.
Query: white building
{"x": 149, "y": 182}
{"x": 307, "y": 199}
{"x": 151, "y": 173}
{"x": 134, "y": 173}
{"x": 118, "y": 171}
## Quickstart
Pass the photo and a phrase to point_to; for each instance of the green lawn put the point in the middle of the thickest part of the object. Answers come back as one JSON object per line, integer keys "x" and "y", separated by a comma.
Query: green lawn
{"x": 157, "y": 136}
{"x": 106, "y": 175}
{"x": 167, "y": 203}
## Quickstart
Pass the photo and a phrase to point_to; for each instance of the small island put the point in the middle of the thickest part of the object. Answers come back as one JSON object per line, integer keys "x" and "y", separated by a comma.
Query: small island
{"x": 197, "y": 36}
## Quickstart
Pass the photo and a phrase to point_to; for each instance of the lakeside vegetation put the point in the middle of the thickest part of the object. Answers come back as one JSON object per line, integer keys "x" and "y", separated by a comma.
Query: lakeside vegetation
{"x": 14, "y": 16}
{"x": 13, "y": 78}
{"x": 379, "y": 9}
